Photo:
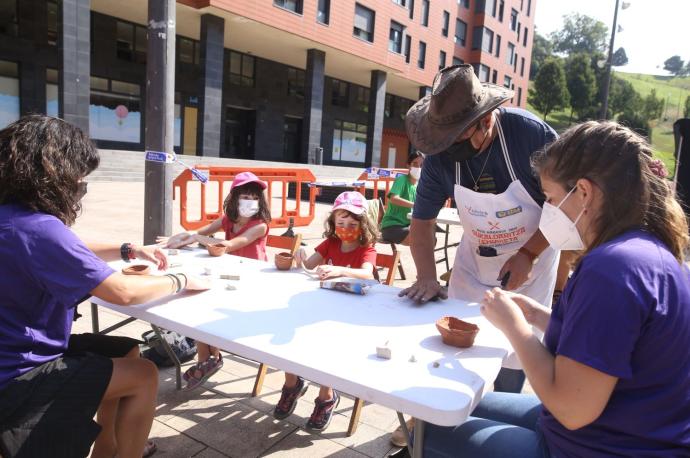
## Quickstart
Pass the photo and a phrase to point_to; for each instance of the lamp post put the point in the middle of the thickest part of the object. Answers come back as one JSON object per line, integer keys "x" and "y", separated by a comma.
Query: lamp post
{"x": 609, "y": 61}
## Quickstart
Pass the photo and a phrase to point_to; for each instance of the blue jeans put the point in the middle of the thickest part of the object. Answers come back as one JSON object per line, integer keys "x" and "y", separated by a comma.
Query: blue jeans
{"x": 502, "y": 425}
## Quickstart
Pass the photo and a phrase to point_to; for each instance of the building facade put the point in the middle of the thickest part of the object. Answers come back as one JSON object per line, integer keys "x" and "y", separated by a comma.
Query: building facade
{"x": 325, "y": 81}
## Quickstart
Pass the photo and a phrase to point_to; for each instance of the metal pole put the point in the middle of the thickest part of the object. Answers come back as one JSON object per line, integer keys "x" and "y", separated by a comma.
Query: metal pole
{"x": 609, "y": 61}
{"x": 160, "y": 111}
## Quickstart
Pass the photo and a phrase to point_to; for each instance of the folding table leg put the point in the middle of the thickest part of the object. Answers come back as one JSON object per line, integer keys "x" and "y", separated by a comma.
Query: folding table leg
{"x": 94, "y": 318}
{"x": 259, "y": 380}
{"x": 418, "y": 447}
{"x": 445, "y": 247}
{"x": 354, "y": 418}
{"x": 406, "y": 431}
{"x": 171, "y": 355}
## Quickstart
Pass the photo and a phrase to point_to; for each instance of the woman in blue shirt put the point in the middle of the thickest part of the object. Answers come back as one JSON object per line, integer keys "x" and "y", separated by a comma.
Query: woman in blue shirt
{"x": 612, "y": 377}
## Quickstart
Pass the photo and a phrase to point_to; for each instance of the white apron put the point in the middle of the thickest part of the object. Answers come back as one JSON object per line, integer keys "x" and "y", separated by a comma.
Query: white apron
{"x": 501, "y": 223}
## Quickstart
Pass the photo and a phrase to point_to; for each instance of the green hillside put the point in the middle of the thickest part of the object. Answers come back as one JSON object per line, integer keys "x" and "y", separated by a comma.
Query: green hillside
{"x": 672, "y": 90}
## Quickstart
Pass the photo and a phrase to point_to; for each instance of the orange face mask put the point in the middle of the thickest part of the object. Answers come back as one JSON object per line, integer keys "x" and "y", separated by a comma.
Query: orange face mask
{"x": 348, "y": 235}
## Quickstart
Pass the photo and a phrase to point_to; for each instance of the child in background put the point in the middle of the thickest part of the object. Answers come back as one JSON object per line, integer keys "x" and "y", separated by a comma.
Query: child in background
{"x": 245, "y": 222}
{"x": 348, "y": 251}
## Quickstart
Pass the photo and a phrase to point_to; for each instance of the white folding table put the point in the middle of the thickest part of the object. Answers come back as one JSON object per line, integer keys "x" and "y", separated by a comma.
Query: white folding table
{"x": 285, "y": 320}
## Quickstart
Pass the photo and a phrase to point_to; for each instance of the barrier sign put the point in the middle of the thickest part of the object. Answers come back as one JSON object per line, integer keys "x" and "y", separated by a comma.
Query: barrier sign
{"x": 169, "y": 158}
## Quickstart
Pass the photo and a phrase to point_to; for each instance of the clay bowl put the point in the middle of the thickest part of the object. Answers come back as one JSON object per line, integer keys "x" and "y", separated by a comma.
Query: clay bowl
{"x": 456, "y": 332}
{"x": 216, "y": 250}
{"x": 137, "y": 269}
{"x": 283, "y": 260}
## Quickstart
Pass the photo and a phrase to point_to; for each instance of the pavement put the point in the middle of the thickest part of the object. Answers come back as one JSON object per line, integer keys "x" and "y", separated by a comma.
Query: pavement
{"x": 221, "y": 419}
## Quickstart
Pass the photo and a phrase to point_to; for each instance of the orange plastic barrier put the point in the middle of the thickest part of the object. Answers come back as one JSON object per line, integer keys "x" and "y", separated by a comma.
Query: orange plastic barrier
{"x": 288, "y": 217}
{"x": 376, "y": 176}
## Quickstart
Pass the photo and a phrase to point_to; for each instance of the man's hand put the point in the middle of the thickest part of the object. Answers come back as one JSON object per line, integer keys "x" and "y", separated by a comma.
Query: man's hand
{"x": 151, "y": 253}
{"x": 520, "y": 268}
{"x": 425, "y": 290}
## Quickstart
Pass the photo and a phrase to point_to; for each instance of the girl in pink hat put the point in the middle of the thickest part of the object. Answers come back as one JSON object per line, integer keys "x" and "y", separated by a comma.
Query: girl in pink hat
{"x": 245, "y": 223}
{"x": 348, "y": 251}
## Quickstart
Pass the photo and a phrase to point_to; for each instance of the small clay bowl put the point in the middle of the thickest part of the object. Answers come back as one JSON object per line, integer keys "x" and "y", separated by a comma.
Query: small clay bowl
{"x": 137, "y": 269}
{"x": 283, "y": 260}
{"x": 456, "y": 332}
{"x": 216, "y": 250}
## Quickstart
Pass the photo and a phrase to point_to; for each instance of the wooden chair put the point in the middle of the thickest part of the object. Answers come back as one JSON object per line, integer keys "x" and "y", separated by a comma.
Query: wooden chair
{"x": 286, "y": 243}
{"x": 375, "y": 210}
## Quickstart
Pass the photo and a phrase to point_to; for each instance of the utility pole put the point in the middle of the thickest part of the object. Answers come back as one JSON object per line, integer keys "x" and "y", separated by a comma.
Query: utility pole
{"x": 160, "y": 112}
{"x": 609, "y": 61}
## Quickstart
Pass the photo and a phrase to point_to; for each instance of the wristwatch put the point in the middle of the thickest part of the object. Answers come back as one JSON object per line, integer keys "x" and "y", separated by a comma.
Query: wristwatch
{"x": 126, "y": 252}
{"x": 534, "y": 258}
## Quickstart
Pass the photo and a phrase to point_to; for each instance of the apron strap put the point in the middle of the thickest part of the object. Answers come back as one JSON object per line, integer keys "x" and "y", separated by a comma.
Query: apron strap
{"x": 504, "y": 147}
{"x": 457, "y": 173}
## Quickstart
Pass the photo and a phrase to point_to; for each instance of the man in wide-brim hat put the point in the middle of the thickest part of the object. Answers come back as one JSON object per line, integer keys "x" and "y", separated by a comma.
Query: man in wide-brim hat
{"x": 478, "y": 154}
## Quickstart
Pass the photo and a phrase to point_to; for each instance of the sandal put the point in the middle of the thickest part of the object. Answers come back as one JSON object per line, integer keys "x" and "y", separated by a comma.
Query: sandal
{"x": 149, "y": 449}
{"x": 206, "y": 368}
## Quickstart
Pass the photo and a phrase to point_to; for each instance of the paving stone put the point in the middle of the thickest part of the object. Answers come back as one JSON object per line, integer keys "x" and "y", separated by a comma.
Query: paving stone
{"x": 171, "y": 443}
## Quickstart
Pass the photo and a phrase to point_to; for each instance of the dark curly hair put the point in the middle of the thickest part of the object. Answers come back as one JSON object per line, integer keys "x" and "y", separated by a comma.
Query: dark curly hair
{"x": 231, "y": 203}
{"x": 42, "y": 160}
{"x": 369, "y": 231}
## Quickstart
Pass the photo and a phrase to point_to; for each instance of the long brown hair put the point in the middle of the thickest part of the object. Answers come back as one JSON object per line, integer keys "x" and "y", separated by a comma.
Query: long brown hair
{"x": 369, "y": 231}
{"x": 231, "y": 203}
{"x": 621, "y": 164}
{"x": 42, "y": 160}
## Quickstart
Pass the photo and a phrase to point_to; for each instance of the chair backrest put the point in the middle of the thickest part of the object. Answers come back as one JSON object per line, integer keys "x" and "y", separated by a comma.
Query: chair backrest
{"x": 390, "y": 262}
{"x": 284, "y": 242}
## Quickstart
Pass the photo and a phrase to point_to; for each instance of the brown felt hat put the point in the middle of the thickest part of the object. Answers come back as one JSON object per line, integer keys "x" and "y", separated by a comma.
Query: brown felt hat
{"x": 457, "y": 101}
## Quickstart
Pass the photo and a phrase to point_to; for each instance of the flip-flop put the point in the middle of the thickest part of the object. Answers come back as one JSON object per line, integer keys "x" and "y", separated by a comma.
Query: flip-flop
{"x": 149, "y": 449}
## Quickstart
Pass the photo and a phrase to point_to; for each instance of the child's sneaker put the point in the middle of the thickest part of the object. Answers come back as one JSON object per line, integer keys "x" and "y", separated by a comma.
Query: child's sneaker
{"x": 323, "y": 413}
{"x": 288, "y": 399}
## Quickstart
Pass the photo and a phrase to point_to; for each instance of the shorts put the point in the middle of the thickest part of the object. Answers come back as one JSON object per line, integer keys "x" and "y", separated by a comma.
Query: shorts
{"x": 49, "y": 410}
{"x": 394, "y": 234}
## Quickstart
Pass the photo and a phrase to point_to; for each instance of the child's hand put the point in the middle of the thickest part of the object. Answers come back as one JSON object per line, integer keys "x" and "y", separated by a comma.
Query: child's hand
{"x": 325, "y": 271}
{"x": 176, "y": 241}
{"x": 300, "y": 256}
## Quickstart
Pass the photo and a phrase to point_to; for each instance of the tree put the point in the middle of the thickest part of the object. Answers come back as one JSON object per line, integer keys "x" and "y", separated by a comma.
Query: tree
{"x": 653, "y": 106}
{"x": 623, "y": 97}
{"x": 619, "y": 58}
{"x": 674, "y": 65}
{"x": 541, "y": 49}
{"x": 580, "y": 34}
{"x": 581, "y": 83}
{"x": 636, "y": 122}
{"x": 686, "y": 111}
{"x": 550, "y": 91}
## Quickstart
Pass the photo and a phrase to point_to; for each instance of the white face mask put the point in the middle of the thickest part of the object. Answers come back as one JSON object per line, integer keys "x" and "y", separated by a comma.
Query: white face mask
{"x": 248, "y": 207}
{"x": 559, "y": 230}
{"x": 415, "y": 172}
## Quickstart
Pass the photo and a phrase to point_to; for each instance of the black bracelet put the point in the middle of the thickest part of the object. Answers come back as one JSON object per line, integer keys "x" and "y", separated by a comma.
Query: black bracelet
{"x": 186, "y": 280}
{"x": 177, "y": 282}
{"x": 124, "y": 251}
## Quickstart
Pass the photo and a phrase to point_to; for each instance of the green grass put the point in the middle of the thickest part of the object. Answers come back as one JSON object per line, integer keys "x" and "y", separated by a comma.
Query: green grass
{"x": 672, "y": 90}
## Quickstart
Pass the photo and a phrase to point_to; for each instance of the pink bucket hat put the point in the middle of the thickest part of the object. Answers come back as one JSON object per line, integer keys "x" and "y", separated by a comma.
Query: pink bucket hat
{"x": 247, "y": 177}
{"x": 351, "y": 201}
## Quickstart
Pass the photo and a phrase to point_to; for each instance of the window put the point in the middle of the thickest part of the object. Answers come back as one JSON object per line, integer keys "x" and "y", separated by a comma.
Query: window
{"x": 513, "y": 19}
{"x": 519, "y": 29}
{"x": 465, "y": 3}
{"x": 422, "y": 55}
{"x": 408, "y": 48}
{"x": 520, "y": 94}
{"x": 501, "y": 8}
{"x": 388, "y": 107}
{"x": 441, "y": 60}
{"x": 460, "y": 32}
{"x": 241, "y": 69}
{"x": 115, "y": 110}
{"x": 323, "y": 13}
{"x": 291, "y": 5}
{"x": 340, "y": 93}
{"x": 483, "y": 73}
{"x": 524, "y": 38}
{"x": 458, "y": 61}
{"x": 363, "y": 99}
{"x": 349, "y": 142}
{"x": 511, "y": 53}
{"x": 364, "y": 23}
{"x": 494, "y": 76}
{"x": 483, "y": 38}
{"x": 402, "y": 3}
{"x": 494, "y": 8}
{"x": 52, "y": 21}
{"x": 507, "y": 81}
{"x": 125, "y": 41}
{"x": 479, "y": 6}
{"x": 403, "y": 106}
{"x": 187, "y": 51}
{"x": 9, "y": 93}
{"x": 295, "y": 82}
{"x": 446, "y": 23}
{"x": 411, "y": 8}
{"x": 395, "y": 38}
{"x": 52, "y": 108}
{"x": 515, "y": 61}
{"x": 498, "y": 46}
{"x": 529, "y": 7}
{"x": 9, "y": 24}
{"x": 425, "y": 13}
{"x": 522, "y": 67}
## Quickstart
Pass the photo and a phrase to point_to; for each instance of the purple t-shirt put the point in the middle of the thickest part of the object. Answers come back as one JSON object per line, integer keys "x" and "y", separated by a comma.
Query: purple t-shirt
{"x": 626, "y": 312}
{"x": 45, "y": 271}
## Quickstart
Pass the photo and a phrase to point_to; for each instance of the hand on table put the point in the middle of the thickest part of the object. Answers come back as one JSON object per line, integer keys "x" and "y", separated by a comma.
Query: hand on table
{"x": 197, "y": 284}
{"x": 151, "y": 253}
{"x": 326, "y": 271}
{"x": 300, "y": 256}
{"x": 520, "y": 268}
{"x": 502, "y": 310}
{"x": 425, "y": 290}
{"x": 177, "y": 240}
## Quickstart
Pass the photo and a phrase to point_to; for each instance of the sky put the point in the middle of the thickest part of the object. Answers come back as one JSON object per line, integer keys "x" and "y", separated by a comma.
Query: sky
{"x": 653, "y": 30}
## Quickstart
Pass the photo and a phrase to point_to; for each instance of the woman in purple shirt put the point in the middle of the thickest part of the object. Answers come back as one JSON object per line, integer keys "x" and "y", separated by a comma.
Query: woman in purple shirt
{"x": 52, "y": 384}
{"x": 612, "y": 377}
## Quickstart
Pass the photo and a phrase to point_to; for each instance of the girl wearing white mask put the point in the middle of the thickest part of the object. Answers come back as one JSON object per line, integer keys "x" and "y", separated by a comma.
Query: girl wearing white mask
{"x": 245, "y": 223}
{"x": 611, "y": 376}
{"x": 395, "y": 225}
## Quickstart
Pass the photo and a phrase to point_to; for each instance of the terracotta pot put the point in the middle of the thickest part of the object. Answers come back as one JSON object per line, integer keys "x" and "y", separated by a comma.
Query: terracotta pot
{"x": 283, "y": 260}
{"x": 137, "y": 269}
{"x": 216, "y": 250}
{"x": 456, "y": 332}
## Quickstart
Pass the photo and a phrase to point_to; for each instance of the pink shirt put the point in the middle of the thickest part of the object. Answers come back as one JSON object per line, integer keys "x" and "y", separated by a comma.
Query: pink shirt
{"x": 256, "y": 249}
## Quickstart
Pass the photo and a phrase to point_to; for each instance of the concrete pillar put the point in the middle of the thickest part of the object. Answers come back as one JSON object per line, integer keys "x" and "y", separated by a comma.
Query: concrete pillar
{"x": 74, "y": 62}
{"x": 211, "y": 91}
{"x": 377, "y": 105}
{"x": 314, "y": 81}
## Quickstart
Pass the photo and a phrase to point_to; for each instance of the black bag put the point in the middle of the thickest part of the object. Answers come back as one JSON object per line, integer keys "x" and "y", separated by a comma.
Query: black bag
{"x": 183, "y": 347}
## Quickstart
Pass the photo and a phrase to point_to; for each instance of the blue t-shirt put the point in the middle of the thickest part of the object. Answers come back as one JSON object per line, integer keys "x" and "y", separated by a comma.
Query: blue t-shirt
{"x": 626, "y": 312}
{"x": 524, "y": 134}
{"x": 45, "y": 271}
